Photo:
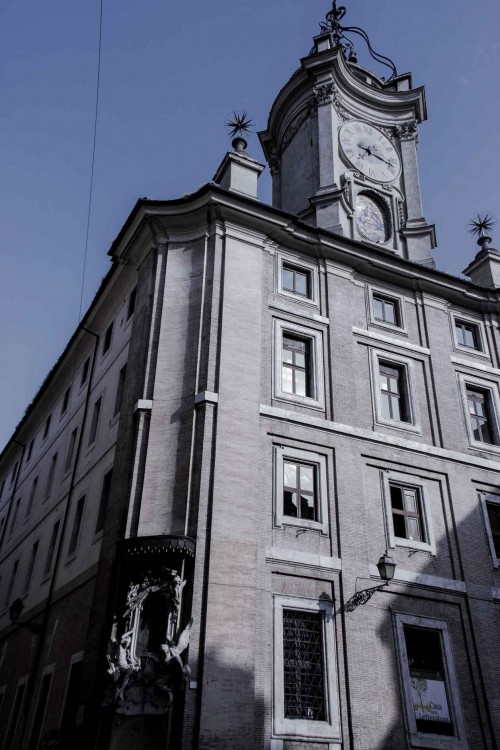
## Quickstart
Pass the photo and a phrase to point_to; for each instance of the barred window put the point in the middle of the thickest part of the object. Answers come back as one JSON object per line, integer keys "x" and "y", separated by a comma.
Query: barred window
{"x": 304, "y": 683}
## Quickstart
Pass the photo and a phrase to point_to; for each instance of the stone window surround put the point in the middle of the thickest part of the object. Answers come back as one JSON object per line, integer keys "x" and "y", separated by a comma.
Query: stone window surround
{"x": 421, "y": 739}
{"x": 48, "y": 670}
{"x": 302, "y": 728}
{"x": 493, "y": 499}
{"x": 411, "y": 404}
{"x": 408, "y": 480}
{"x": 282, "y": 452}
{"x": 379, "y": 291}
{"x": 317, "y": 399}
{"x": 12, "y": 718}
{"x": 479, "y": 323}
{"x": 304, "y": 265}
{"x": 494, "y": 408}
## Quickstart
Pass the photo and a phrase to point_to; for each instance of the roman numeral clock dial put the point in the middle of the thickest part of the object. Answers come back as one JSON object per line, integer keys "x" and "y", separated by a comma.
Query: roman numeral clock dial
{"x": 369, "y": 151}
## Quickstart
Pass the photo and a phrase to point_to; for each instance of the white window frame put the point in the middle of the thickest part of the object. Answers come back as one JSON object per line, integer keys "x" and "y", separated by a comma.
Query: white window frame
{"x": 407, "y": 480}
{"x": 421, "y": 739}
{"x": 494, "y": 405}
{"x": 483, "y": 351}
{"x": 302, "y": 728}
{"x": 281, "y": 453}
{"x": 300, "y": 264}
{"x": 317, "y": 400}
{"x": 411, "y": 403}
{"x": 374, "y": 291}
{"x": 493, "y": 499}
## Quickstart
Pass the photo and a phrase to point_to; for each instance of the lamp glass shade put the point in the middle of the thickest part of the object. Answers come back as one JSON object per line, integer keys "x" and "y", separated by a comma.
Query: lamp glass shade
{"x": 386, "y": 567}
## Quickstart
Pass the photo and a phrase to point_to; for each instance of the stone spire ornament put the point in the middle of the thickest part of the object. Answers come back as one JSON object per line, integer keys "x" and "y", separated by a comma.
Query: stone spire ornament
{"x": 485, "y": 268}
{"x": 239, "y": 124}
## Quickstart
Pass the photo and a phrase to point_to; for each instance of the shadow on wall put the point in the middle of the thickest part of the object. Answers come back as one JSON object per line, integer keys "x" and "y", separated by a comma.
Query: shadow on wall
{"x": 431, "y": 655}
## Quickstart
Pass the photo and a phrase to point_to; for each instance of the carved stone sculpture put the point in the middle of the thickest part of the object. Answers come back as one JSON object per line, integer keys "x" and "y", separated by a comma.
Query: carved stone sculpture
{"x": 144, "y": 651}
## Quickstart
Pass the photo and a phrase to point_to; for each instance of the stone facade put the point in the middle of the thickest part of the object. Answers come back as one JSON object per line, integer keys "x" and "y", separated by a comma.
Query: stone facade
{"x": 161, "y": 620}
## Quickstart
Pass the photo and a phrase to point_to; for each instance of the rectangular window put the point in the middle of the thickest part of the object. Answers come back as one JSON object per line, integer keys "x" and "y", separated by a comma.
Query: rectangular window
{"x": 2, "y": 487}
{"x": 71, "y": 450}
{"x": 296, "y": 366}
{"x": 51, "y": 549}
{"x": 12, "y": 583}
{"x": 467, "y": 334}
{"x": 430, "y": 687}
{"x": 299, "y": 490}
{"x": 95, "y": 421}
{"x": 303, "y": 661}
{"x": 296, "y": 280}
{"x": 15, "y": 714}
{"x": 305, "y": 684}
{"x": 494, "y": 521}
{"x": 103, "y": 503}
{"x": 30, "y": 451}
{"x": 50, "y": 478}
{"x": 70, "y": 712}
{"x": 77, "y": 523}
{"x": 31, "y": 498}
{"x": 108, "y": 337}
{"x": 386, "y": 310}
{"x": 407, "y": 513}
{"x": 41, "y": 707}
{"x": 393, "y": 398}
{"x": 85, "y": 372}
{"x": 65, "y": 401}
{"x": 14, "y": 516}
{"x": 14, "y": 472}
{"x": 131, "y": 303}
{"x": 119, "y": 390}
{"x": 46, "y": 427}
{"x": 31, "y": 565}
{"x": 408, "y": 500}
{"x": 479, "y": 406}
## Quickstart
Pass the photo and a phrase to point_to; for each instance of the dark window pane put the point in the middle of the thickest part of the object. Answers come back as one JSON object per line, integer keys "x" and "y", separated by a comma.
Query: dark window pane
{"x": 290, "y": 504}
{"x": 399, "y": 526}
{"x": 77, "y": 522}
{"x": 40, "y": 711}
{"x": 131, "y": 303}
{"x": 396, "y": 497}
{"x": 14, "y": 716}
{"x": 428, "y": 681}
{"x": 494, "y": 519}
{"x": 304, "y": 689}
{"x": 68, "y": 721}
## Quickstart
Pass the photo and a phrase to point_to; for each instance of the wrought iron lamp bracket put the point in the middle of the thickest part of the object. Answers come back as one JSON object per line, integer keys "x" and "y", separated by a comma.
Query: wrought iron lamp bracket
{"x": 361, "y": 597}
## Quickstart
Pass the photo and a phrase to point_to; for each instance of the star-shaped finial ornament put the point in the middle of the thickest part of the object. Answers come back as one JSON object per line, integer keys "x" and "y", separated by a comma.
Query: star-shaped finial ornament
{"x": 239, "y": 123}
{"x": 481, "y": 226}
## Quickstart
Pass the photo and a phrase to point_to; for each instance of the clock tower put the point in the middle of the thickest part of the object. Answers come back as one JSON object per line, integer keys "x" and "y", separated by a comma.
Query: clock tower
{"x": 341, "y": 144}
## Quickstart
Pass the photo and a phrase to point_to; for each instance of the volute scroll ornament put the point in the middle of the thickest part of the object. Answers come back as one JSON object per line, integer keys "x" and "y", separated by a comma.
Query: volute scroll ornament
{"x": 145, "y": 667}
{"x": 407, "y": 130}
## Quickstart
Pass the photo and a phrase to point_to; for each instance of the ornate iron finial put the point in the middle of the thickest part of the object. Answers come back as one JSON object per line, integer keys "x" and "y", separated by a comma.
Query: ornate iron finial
{"x": 482, "y": 228}
{"x": 239, "y": 124}
{"x": 333, "y": 26}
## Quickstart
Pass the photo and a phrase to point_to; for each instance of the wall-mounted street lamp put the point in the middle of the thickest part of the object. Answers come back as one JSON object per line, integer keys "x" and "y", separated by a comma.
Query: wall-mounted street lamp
{"x": 15, "y": 612}
{"x": 386, "y": 568}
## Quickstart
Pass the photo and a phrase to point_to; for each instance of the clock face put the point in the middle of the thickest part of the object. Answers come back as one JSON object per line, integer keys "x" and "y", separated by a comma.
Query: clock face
{"x": 369, "y": 151}
{"x": 372, "y": 219}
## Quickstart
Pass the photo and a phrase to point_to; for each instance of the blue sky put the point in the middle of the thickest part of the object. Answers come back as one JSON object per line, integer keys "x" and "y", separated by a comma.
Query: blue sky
{"x": 171, "y": 72}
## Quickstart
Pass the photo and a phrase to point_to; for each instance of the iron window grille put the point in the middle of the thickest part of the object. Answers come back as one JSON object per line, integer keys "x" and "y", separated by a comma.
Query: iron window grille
{"x": 393, "y": 395}
{"x": 300, "y": 490}
{"x": 296, "y": 365}
{"x": 478, "y": 403}
{"x": 303, "y": 671}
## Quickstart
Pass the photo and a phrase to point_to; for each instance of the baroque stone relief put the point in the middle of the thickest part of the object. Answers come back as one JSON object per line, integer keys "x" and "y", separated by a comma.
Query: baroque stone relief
{"x": 144, "y": 652}
{"x": 407, "y": 131}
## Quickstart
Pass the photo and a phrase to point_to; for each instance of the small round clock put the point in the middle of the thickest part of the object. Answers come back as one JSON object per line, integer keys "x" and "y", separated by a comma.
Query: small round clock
{"x": 369, "y": 151}
{"x": 372, "y": 219}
